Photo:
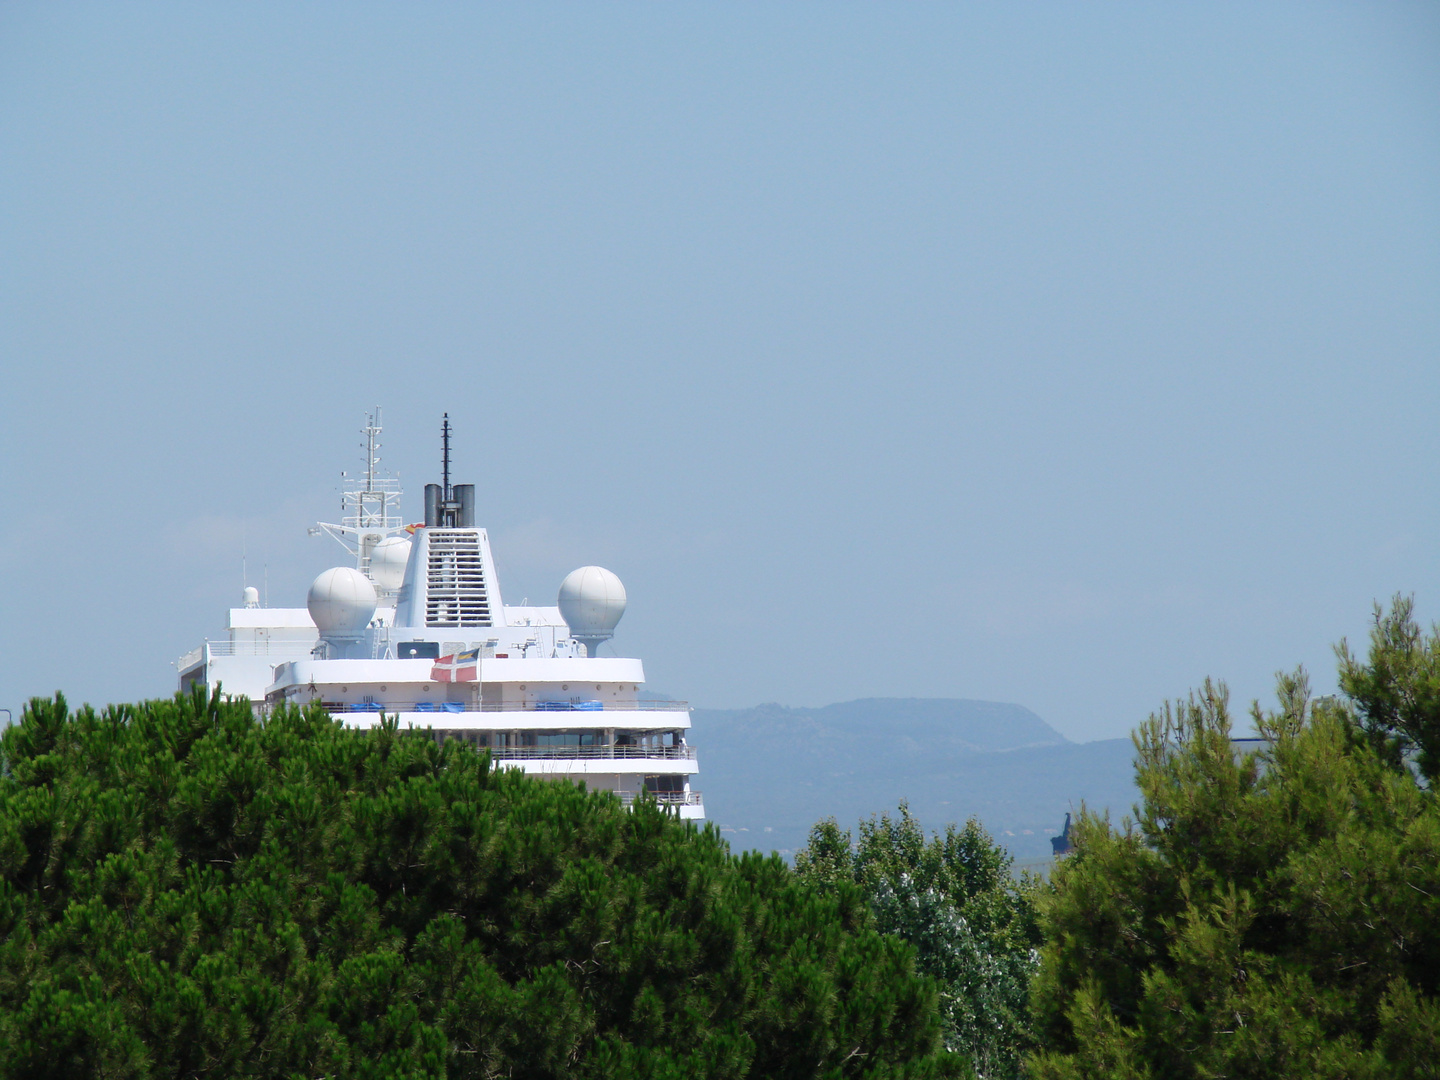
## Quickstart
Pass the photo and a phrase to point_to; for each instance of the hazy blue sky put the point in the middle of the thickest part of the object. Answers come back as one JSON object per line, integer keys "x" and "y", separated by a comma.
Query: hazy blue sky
{"x": 1054, "y": 354}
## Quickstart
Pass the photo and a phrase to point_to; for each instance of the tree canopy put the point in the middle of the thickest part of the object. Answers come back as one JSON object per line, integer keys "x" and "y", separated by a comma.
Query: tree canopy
{"x": 953, "y": 898}
{"x": 187, "y": 891}
{"x": 1271, "y": 913}
{"x": 1396, "y": 690}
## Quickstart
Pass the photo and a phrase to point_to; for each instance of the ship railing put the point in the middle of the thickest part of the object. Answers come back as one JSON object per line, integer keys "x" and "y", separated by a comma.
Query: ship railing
{"x": 563, "y": 710}
{"x": 588, "y": 753}
{"x": 582, "y": 706}
{"x": 289, "y": 647}
{"x": 286, "y": 648}
{"x": 665, "y": 798}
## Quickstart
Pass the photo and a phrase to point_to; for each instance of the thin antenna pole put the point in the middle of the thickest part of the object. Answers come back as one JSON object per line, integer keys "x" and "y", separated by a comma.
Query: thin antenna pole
{"x": 372, "y": 431}
{"x": 445, "y": 464}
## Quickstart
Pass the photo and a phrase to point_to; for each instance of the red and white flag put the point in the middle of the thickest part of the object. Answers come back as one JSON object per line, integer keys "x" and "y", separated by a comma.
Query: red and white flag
{"x": 458, "y": 667}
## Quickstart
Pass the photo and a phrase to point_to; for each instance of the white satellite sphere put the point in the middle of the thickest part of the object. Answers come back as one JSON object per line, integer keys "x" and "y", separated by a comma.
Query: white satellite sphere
{"x": 388, "y": 560}
{"x": 252, "y": 596}
{"x": 341, "y": 601}
{"x": 591, "y": 602}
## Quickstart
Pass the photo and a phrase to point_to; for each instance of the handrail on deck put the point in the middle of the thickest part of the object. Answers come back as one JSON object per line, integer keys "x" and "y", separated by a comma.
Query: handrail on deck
{"x": 569, "y": 713}
{"x": 282, "y": 648}
{"x": 591, "y": 753}
{"x": 287, "y": 648}
{"x": 584, "y": 706}
{"x": 669, "y": 798}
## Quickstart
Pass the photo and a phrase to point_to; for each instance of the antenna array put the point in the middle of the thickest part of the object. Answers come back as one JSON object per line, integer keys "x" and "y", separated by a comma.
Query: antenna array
{"x": 369, "y": 507}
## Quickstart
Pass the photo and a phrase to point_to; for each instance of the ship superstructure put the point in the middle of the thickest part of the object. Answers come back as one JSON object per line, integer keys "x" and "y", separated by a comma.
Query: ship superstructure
{"x": 417, "y": 630}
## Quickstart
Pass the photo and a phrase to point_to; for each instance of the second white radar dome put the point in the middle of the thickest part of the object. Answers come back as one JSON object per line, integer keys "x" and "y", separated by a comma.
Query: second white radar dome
{"x": 387, "y": 562}
{"x": 342, "y": 602}
{"x": 591, "y": 602}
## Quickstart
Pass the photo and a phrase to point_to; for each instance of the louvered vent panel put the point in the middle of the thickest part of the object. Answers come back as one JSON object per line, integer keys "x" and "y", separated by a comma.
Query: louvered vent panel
{"x": 455, "y": 592}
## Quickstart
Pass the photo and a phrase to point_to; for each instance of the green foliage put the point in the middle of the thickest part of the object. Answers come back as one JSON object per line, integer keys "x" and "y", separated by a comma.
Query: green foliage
{"x": 185, "y": 891}
{"x": 952, "y": 897}
{"x": 1270, "y": 914}
{"x": 1397, "y": 692}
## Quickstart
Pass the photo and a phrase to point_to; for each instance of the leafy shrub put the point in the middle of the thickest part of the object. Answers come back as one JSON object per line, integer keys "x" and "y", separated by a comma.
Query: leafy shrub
{"x": 951, "y": 897}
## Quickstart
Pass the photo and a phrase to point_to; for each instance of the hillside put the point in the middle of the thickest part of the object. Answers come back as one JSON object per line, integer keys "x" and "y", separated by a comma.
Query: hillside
{"x": 770, "y": 772}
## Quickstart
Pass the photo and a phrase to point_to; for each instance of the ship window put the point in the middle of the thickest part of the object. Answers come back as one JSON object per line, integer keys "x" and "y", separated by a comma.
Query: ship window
{"x": 569, "y": 738}
{"x": 665, "y": 783}
{"x": 418, "y": 650}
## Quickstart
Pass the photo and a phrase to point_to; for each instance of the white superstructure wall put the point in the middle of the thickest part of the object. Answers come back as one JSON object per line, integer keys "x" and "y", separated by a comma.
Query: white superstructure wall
{"x": 450, "y": 582}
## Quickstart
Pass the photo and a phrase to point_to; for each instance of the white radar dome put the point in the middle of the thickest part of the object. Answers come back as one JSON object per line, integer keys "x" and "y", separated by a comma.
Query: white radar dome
{"x": 591, "y": 603}
{"x": 342, "y": 602}
{"x": 387, "y": 562}
{"x": 252, "y": 596}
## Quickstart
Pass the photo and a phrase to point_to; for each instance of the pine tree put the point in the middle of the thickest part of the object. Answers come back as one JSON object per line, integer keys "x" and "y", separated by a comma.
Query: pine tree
{"x": 1271, "y": 913}
{"x": 186, "y": 891}
{"x": 1396, "y": 693}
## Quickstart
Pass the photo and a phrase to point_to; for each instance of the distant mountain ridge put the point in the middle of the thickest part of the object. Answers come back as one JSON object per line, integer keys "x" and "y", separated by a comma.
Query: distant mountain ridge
{"x": 956, "y": 724}
{"x": 770, "y": 772}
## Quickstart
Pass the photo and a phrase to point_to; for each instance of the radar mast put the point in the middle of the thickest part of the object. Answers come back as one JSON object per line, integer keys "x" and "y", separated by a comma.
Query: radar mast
{"x": 369, "y": 505}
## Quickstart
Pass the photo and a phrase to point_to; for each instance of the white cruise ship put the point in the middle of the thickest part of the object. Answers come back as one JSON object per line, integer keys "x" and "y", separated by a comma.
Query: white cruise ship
{"x": 416, "y": 629}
